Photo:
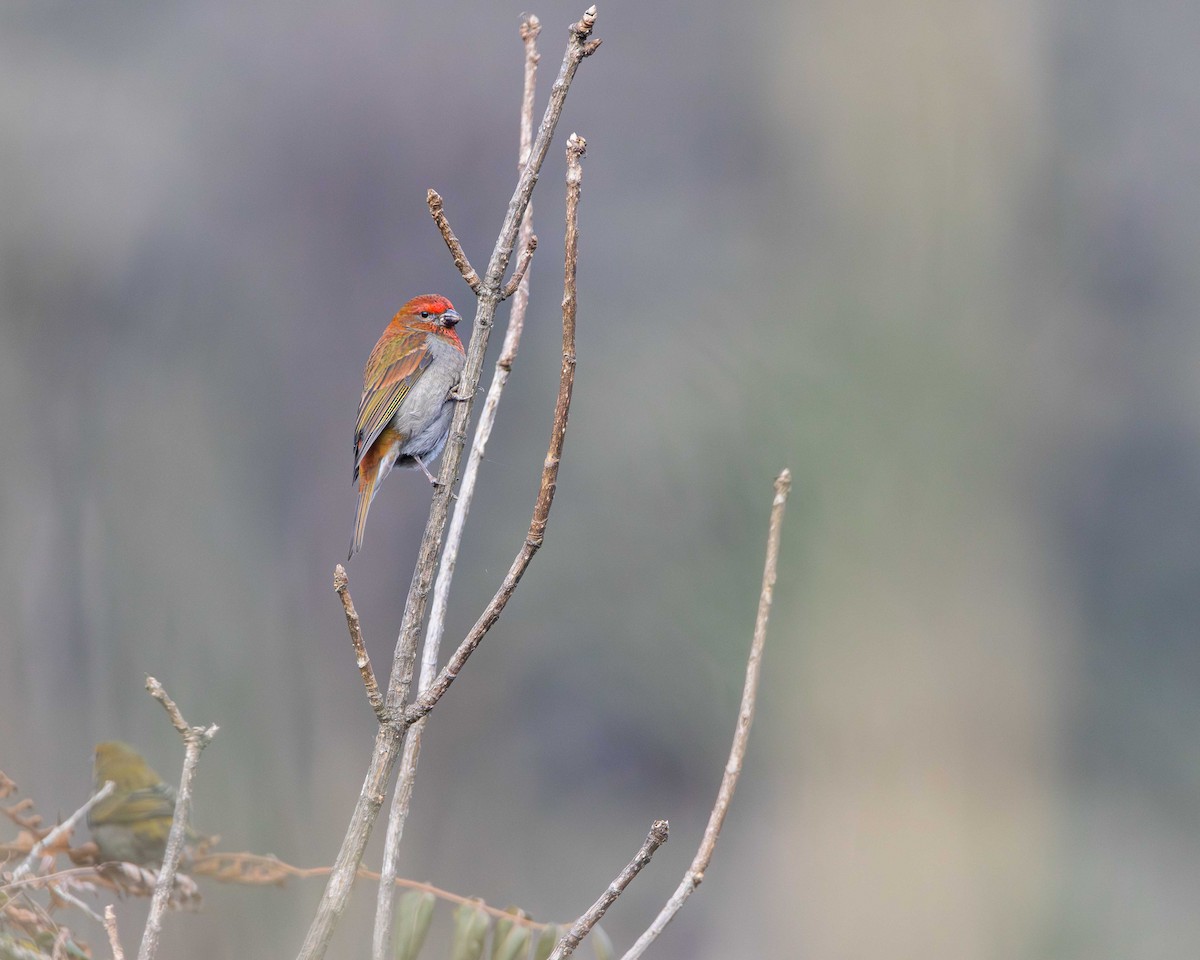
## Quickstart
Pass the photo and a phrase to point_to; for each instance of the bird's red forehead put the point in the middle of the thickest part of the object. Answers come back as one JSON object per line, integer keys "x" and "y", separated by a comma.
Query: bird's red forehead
{"x": 430, "y": 303}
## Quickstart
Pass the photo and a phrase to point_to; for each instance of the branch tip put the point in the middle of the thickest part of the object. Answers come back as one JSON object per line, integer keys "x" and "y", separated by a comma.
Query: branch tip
{"x": 583, "y": 926}
{"x": 519, "y": 271}
{"x": 583, "y": 28}
{"x": 340, "y": 580}
{"x": 437, "y": 210}
{"x": 737, "y": 751}
{"x": 531, "y": 26}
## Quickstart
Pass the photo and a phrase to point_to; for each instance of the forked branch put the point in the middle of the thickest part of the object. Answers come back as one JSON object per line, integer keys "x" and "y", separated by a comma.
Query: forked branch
{"x": 195, "y": 739}
{"x": 576, "y": 147}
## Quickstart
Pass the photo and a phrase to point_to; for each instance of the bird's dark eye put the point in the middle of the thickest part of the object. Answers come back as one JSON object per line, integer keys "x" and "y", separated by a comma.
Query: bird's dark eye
{"x": 425, "y": 314}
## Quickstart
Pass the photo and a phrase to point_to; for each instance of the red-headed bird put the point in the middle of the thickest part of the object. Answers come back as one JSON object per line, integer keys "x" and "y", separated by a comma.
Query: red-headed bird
{"x": 406, "y": 408}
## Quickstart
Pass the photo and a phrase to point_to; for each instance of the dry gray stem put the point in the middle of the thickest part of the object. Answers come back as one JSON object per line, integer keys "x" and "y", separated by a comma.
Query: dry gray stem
{"x": 737, "y": 753}
{"x": 583, "y": 926}
{"x": 437, "y": 211}
{"x": 341, "y": 585}
{"x": 390, "y": 738}
{"x": 398, "y": 814}
{"x": 528, "y": 246}
{"x": 195, "y": 739}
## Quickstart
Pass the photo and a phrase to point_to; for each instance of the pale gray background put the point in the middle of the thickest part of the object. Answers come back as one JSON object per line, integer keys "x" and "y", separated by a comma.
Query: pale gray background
{"x": 937, "y": 257}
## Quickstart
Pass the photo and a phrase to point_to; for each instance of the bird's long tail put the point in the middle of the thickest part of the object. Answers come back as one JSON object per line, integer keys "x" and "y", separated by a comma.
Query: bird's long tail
{"x": 366, "y": 492}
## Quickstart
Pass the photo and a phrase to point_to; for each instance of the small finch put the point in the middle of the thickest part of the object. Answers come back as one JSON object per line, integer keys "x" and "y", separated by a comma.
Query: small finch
{"x": 405, "y": 412}
{"x": 133, "y": 821}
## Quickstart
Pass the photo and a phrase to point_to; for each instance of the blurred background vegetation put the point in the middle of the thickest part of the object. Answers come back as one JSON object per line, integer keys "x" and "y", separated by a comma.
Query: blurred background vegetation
{"x": 937, "y": 257}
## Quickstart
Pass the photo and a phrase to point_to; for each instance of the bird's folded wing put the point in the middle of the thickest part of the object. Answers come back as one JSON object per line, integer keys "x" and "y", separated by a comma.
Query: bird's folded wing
{"x": 393, "y": 368}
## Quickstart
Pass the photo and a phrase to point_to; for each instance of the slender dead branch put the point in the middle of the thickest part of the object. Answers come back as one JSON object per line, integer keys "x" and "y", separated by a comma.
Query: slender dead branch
{"x": 737, "y": 753}
{"x": 437, "y": 210}
{"x": 402, "y": 798}
{"x": 583, "y": 926}
{"x": 50, "y": 839}
{"x": 518, "y": 276}
{"x": 341, "y": 584}
{"x": 390, "y": 738}
{"x": 195, "y": 739}
{"x": 576, "y": 147}
{"x": 68, "y": 897}
{"x": 114, "y": 938}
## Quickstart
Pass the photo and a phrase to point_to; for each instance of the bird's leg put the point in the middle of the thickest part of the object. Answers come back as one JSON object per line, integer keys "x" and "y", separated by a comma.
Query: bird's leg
{"x": 431, "y": 478}
{"x": 425, "y": 470}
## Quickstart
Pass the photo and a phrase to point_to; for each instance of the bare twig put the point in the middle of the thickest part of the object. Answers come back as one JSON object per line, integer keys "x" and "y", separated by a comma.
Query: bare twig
{"x": 401, "y": 799}
{"x": 74, "y": 901}
{"x": 437, "y": 210}
{"x": 576, "y": 146}
{"x": 50, "y": 839}
{"x": 195, "y": 739}
{"x": 737, "y": 753}
{"x": 114, "y": 938}
{"x": 341, "y": 584}
{"x": 583, "y": 926}
{"x": 518, "y": 276}
{"x": 391, "y": 735}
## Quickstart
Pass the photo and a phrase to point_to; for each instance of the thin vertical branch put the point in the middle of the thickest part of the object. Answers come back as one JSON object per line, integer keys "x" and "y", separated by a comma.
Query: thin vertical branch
{"x": 195, "y": 739}
{"x": 733, "y": 768}
{"x": 390, "y": 738}
{"x": 385, "y": 900}
{"x": 583, "y": 926}
{"x": 576, "y": 147}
